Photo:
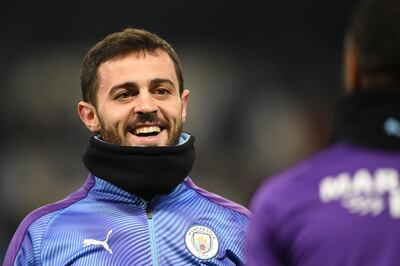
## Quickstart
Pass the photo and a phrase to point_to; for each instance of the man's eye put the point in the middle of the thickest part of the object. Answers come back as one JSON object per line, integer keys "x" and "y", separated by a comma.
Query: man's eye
{"x": 161, "y": 91}
{"x": 124, "y": 95}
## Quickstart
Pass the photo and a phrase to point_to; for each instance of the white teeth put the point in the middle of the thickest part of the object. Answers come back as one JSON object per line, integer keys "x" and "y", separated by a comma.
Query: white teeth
{"x": 151, "y": 129}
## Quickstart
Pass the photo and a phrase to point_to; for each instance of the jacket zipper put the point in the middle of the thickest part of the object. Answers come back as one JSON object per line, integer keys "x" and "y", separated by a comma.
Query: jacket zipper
{"x": 150, "y": 222}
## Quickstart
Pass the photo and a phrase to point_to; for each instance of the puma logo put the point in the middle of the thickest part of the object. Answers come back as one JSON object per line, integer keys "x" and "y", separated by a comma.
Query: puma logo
{"x": 94, "y": 242}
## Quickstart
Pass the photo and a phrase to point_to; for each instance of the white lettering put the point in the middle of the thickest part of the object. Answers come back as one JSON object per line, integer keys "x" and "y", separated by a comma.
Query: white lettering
{"x": 386, "y": 180}
{"x": 363, "y": 193}
{"x": 362, "y": 182}
{"x": 394, "y": 203}
{"x": 376, "y": 206}
{"x": 334, "y": 188}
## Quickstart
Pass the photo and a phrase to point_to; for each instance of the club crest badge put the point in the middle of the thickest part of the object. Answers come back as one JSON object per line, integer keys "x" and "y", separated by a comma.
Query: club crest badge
{"x": 202, "y": 242}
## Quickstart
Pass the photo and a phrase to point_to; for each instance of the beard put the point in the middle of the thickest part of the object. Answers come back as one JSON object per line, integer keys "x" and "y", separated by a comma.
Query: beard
{"x": 110, "y": 134}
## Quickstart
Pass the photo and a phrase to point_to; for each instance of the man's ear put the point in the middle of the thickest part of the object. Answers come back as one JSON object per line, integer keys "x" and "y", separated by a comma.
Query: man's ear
{"x": 87, "y": 113}
{"x": 351, "y": 69}
{"x": 185, "y": 102}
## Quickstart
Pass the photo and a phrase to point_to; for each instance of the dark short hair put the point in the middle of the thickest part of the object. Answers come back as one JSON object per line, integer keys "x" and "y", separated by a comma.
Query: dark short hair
{"x": 375, "y": 34}
{"x": 118, "y": 45}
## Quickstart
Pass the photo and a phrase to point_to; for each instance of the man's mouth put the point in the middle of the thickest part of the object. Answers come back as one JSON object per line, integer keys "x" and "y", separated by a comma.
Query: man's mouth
{"x": 146, "y": 131}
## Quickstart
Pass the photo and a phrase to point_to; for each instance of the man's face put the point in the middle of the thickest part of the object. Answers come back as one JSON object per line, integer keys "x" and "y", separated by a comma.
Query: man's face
{"x": 138, "y": 100}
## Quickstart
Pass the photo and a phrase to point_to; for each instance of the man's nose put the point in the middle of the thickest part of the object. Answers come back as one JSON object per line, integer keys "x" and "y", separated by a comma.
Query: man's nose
{"x": 145, "y": 103}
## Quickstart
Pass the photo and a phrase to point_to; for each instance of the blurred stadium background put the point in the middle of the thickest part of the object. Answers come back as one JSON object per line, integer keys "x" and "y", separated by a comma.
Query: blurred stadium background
{"x": 264, "y": 77}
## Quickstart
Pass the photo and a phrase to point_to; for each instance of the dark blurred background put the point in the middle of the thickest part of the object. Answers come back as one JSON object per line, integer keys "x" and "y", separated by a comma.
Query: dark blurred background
{"x": 264, "y": 77}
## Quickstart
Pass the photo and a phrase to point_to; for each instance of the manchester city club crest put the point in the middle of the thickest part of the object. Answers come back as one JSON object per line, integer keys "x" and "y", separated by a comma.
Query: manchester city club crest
{"x": 202, "y": 242}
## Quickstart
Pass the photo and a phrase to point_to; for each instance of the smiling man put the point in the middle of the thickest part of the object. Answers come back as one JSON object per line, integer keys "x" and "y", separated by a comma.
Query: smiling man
{"x": 138, "y": 205}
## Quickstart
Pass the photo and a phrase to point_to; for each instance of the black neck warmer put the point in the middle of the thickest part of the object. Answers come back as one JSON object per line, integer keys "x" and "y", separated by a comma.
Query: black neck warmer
{"x": 370, "y": 118}
{"x": 142, "y": 171}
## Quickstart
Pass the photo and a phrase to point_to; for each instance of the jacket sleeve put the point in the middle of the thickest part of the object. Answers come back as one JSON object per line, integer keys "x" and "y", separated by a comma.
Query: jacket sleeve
{"x": 25, "y": 246}
{"x": 20, "y": 250}
{"x": 237, "y": 253}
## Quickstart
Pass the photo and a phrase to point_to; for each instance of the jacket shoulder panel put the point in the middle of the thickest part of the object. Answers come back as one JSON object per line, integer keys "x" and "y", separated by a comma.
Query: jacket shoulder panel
{"x": 34, "y": 224}
{"x": 216, "y": 199}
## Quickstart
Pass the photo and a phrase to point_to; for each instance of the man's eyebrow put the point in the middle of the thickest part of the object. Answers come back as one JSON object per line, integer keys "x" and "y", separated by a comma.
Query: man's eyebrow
{"x": 126, "y": 85}
{"x": 159, "y": 81}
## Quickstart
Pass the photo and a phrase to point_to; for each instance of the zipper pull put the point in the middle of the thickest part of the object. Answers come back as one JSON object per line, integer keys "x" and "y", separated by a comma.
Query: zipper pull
{"x": 149, "y": 212}
{"x": 149, "y": 207}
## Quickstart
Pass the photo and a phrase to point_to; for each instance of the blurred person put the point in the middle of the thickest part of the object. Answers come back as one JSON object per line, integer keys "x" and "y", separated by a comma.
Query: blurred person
{"x": 342, "y": 206}
{"x": 138, "y": 205}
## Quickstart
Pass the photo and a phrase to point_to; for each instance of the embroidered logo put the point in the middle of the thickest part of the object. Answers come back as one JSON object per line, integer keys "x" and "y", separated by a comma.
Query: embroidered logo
{"x": 202, "y": 242}
{"x": 94, "y": 242}
{"x": 364, "y": 193}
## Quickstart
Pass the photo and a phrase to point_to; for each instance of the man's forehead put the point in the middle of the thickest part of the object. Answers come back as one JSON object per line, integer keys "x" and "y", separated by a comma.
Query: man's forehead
{"x": 139, "y": 55}
{"x": 150, "y": 65}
